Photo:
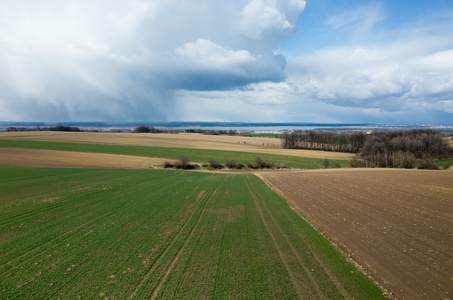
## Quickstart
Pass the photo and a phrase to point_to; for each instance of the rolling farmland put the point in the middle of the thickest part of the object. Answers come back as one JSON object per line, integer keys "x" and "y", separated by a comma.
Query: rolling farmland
{"x": 396, "y": 224}
{"x": 239, "y": 143}
{"x": 196, "y": 155}
{"x": 116, "y": 234}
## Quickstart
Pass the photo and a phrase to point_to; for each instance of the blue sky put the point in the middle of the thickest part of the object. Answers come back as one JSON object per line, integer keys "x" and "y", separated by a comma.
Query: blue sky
{"x": 239, "y": 60}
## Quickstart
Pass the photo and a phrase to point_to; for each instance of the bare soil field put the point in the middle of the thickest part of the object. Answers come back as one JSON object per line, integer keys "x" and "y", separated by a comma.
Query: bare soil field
{"x": 181, "y": 140}
{"x": 396, "y": 225}
{"x": 66, "y": 159}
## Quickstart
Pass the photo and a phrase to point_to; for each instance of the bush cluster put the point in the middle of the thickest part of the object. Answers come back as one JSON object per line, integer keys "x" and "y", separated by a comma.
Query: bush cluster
{"x": 184, "y": 163}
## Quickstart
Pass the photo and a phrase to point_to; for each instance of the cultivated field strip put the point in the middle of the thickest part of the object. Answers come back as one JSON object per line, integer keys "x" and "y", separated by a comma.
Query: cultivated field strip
{"x": 71, "y": 159}
{"x": 144, "y": 234}
{"x": 182, "y": 140}
{"x": 154, "y": 153}
{"x": 396, "y": 224}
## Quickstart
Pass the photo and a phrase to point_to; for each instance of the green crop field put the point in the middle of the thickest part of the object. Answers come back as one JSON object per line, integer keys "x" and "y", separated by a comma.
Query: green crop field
{"x": 90, "y": 233}
{"x": 196, "y": 155}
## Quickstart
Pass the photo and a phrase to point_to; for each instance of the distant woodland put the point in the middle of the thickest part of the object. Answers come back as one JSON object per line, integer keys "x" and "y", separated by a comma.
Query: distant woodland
{"x": 398, "y": 149}
{"x": 55, "y": 128}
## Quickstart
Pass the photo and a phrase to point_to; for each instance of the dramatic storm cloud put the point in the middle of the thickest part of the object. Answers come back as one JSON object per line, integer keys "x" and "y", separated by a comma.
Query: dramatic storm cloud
{"x": 123, "y": 60}
{"x": 239, "y": 60}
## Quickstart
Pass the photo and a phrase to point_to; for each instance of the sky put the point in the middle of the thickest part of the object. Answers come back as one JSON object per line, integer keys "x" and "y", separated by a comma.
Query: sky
{"x": 323, "y": 61}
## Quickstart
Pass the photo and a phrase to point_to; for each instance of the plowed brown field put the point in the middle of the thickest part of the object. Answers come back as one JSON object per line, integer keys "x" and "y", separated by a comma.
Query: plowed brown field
{"x": 397, "y": 225}
{"x": 66, "y": 159}
{"x": 182, "y": 140}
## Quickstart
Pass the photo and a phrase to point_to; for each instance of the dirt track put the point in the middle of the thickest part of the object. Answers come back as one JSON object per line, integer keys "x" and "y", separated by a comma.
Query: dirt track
{"x": 66, "y": 159}
{"x": 396, "y": 224}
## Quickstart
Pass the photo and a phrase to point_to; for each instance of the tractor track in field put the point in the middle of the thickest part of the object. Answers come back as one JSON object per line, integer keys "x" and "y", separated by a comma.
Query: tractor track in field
{"x": 297, "y": 287}
{"x": 339, "y": 287}
{"x": 170, "y": 265}
{"x": 157, "y": 229}
{"x": 334, "y": 280}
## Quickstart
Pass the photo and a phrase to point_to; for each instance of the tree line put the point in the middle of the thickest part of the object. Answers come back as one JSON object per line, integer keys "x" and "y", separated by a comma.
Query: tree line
{"x": 323, "y": 140}
{"x": 396, "y": 149}
{"x": 37, "y": 128}
{"x": 148, "y": 129}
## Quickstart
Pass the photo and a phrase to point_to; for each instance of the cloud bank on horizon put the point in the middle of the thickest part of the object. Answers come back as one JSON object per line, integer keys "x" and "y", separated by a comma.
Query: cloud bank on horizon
{"x": 239, "y": 60}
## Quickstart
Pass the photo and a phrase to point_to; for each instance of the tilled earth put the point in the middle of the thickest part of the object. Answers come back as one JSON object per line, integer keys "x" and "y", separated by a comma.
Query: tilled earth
{"x": 395, "y": 225}
{"x": 67, "y": 159}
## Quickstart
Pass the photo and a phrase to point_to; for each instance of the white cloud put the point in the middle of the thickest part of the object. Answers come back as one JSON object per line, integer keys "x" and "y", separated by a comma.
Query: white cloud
{"x": 122, "y": 59}
{"x": 214, "y": 56}
{"x": 374, "y": 78}
{"x": 261, "y": 17}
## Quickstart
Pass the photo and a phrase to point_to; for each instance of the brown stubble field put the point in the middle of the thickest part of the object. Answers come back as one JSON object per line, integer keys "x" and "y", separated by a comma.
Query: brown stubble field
{"x": 67, "y": 159}
{"x": 181, "y": 140}
{"x": 396, "y": 225}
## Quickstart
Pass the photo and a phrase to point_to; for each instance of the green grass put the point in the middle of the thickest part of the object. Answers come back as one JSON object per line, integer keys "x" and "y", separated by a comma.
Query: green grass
{"x": 138, "y": 234}
{"x": 196, "y": 155}
{"x": 444, "y": 162}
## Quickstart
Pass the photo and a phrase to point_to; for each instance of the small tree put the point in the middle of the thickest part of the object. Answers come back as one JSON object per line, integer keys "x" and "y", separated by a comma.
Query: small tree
{"x": 231, "y": 164}
{"x": 183, "y": 162}
{"x": 259, "y": 163}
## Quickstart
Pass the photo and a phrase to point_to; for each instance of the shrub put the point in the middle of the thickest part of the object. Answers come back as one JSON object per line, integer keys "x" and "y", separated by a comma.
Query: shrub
{"x": 250, "y": 166}
{"x": 214, "y": 164}
{"x": 267, "y": 165}
{"x": 183, "y": 162}
{"x": 168, "y": 165}
{"x": 337, "y": 165}
{"x": 355, "y": 163}
{"x": 231, "y": 164}
{"x": 426, "y": 164}
{"x": 239, "y": 166}
{"x": 259, "y": 163}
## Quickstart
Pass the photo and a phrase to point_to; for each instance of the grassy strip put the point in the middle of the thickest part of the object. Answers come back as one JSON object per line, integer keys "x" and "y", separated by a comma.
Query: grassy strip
{"x": 197, "y": 155}
{"x": 444, "y": 162}
{"x": 80, "y": 233}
